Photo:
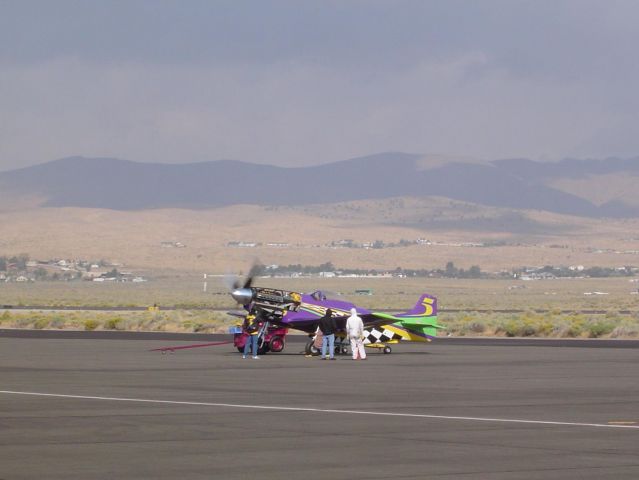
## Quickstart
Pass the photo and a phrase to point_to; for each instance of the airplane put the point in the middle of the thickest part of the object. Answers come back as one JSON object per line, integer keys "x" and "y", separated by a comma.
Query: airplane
{"x": 281, "y": 310}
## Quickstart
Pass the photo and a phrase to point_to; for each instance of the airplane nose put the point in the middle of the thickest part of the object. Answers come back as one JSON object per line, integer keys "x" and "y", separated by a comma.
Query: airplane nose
{"x": 242, "y": 295}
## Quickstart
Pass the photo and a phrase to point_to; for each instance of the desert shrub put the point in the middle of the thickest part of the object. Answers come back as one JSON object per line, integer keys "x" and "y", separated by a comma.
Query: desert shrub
{"x": 192, "y": 326}
{"x": 40, "y": 323}
{"x": 462, "y": 324}
{"x": 599, "y": 328}
{"x": 57, "y": 322}
{"x": 546, "y": 327}
{"x": 187, "y": 325}
{"x": 114, "y": 323}
{"x": 161, "y": 326}
{"x": 526, "y": 325}
{"x": 510, "y": 327}
{"x": 477, "y": 327}
{"x": 622, "y": 331}
{"x": 5, "y": 317}
{"x": 576, "y": 325}
{"x": 90, "y": 324}
{"x": 22, "y": 321}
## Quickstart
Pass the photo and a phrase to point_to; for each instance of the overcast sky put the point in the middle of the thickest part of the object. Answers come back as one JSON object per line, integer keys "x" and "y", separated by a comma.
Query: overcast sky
{"x": 308, "y": 82}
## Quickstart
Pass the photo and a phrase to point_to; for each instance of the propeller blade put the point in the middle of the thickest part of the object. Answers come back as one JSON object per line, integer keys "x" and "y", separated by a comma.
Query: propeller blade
{"x": 255, "y": 270}
{"x": 231, "y": 282}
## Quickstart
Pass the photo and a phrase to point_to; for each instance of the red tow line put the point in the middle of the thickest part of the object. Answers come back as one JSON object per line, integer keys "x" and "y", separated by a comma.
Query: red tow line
{"x": 183, "y": 347}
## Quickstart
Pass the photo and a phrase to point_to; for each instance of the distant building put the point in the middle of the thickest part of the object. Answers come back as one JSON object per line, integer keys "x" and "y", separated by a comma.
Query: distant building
{"x": 243, "y": 244}
{"x": 172, "y": 245}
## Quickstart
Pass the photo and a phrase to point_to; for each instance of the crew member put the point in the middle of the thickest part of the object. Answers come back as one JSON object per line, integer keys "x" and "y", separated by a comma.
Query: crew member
{"x": 355, "y": 333}
{"x": 251, "y": 327}
{"x": 327, "y": 327}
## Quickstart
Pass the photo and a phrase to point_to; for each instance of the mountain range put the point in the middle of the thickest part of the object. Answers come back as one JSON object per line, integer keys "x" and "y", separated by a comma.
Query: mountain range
{"x": 588, "y": 188}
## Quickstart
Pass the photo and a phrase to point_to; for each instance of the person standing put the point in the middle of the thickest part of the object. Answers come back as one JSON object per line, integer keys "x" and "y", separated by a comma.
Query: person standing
{"x": 355, "y": 332}
{"x": 251, "y": 327}
{"x": 328, "y": 327}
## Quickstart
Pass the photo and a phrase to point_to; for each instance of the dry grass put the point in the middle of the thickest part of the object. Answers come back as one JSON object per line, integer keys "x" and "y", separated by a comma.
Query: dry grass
{"x": 389, "y": 293}
{"x": 478, "y": 300}
{"x": 173, "y": 321}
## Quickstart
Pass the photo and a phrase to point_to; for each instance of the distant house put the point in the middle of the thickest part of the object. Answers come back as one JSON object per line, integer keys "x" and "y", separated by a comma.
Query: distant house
{"x": 345, "y": 243}
{"x": 243, "y": 244}
{"x": 93, "y": 274}
{"x": 22, "y": 278}
{"x": 172, "y": 245}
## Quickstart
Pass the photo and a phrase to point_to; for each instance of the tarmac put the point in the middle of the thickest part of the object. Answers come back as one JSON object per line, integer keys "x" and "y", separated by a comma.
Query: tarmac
{"x": 98, "y": 408}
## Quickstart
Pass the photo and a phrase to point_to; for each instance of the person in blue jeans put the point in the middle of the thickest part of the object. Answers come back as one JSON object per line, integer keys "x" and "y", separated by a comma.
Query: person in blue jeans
{"x": 251, "y": 327}
{"x": 327, "y": 327}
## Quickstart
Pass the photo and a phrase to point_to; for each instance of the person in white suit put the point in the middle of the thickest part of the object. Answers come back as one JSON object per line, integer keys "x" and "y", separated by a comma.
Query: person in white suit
{"x": 355, "y": 333}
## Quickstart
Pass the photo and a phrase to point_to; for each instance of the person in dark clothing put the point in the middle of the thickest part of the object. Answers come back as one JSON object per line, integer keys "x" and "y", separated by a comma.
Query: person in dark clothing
{"x": 328, "y": 327}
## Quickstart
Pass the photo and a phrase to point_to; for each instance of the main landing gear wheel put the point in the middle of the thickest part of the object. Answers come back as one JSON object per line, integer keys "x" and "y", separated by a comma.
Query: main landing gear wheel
{"x": 341, "y": 350}
{"x": 387, "y": 349}
{"x": 311, "y": 349}
{"x": 276, "y": 344}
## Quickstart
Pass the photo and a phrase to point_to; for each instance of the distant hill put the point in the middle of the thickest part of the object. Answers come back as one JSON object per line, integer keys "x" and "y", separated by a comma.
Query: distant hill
{"x": 591, "y": 188}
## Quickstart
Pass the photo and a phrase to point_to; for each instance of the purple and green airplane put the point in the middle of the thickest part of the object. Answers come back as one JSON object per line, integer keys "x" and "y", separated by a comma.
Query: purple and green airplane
{"x": 303, "y": 311}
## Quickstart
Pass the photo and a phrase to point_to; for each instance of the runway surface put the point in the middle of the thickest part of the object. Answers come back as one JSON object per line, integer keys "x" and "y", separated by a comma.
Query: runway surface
{"x": 112, "y": 409}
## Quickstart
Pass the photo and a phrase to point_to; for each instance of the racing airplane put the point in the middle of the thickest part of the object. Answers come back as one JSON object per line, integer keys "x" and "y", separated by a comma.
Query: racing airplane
{"x": 282, "y": 310}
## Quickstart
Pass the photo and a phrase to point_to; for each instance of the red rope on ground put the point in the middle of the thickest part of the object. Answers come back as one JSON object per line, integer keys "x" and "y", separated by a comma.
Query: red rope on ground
{"x": 195, "y": 345}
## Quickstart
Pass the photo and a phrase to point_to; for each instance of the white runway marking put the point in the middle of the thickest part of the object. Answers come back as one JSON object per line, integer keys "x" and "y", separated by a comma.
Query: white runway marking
{"x": 323, "y": 410}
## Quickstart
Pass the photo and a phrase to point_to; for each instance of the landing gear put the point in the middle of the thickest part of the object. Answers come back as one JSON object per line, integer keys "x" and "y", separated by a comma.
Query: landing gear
{"x": 311, "y": 349}
{"x": 276, "y": 344}
{"x": 387, "y": 349}
{"x": 341, "y": 350}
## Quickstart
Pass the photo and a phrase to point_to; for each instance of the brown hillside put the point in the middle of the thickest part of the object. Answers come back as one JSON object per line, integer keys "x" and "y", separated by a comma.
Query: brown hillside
{"x": 513, "y": 238}
{"x": 600, "y": 189}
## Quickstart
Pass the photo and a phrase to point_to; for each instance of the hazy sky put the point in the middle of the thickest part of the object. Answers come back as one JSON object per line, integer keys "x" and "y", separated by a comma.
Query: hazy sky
{"x": 307, "y": 82}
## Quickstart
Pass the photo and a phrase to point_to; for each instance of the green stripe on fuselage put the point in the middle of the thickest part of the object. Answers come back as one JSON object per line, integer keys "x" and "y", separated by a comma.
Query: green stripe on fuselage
{"x": 419, "y": 324}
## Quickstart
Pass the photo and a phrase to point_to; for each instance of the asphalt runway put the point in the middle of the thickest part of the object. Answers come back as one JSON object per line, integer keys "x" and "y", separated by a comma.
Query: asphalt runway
{"x": 445, "y": 410}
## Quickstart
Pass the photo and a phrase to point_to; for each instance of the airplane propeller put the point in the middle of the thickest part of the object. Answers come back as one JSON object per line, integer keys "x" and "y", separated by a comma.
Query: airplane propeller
{"x": 241, "y": 290}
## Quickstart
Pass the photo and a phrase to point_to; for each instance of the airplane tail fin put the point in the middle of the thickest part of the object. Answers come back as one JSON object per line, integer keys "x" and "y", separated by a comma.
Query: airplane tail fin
{"x": 426, "y": 306}
{"x": 420, "y": 321}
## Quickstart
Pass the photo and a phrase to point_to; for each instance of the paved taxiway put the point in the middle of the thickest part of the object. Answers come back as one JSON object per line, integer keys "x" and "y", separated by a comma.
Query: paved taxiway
{"x": 467, "y": 401}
